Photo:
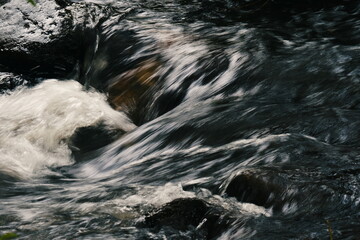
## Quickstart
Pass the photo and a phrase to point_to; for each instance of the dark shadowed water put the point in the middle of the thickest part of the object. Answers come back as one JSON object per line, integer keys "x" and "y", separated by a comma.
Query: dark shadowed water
{"x": 255, "y": 111}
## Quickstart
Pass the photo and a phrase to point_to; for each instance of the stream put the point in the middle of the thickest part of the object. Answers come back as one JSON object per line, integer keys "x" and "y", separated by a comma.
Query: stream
{"x": 188, "y": 119}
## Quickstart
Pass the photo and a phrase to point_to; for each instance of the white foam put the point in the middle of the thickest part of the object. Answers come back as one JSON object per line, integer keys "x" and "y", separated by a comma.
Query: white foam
{"x": 155, "y": 196}
{"x": 35, "y": 124}
{"x": 125, "y": 206}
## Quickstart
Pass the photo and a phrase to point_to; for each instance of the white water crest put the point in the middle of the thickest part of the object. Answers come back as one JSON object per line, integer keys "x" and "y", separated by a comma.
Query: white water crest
{"x": 37, "y": 122}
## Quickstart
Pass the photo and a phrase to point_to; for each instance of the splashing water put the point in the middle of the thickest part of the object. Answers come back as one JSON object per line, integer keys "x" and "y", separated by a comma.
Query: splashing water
{"x": 240, "y": 122}
{"x": 37, "y": 123}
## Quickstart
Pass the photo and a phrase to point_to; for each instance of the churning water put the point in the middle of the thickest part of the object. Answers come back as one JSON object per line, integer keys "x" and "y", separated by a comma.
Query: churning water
{"x": 193, "y": 120}
{"x": 37, "y": 123}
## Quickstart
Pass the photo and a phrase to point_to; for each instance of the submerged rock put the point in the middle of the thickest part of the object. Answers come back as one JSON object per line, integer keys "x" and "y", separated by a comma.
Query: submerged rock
{"x": 90, "y": 138}
{"x": 263, "y": 188}
{"x": 251, "y": 189}
{"x": 179, "y": 214}
{"x": 282, "y": 191}
{"x": 189, "y": 214}
{"x": 128, "y": 90}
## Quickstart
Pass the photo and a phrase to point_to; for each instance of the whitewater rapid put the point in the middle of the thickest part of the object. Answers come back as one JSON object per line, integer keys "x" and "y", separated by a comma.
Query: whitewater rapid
{"x": 38, "y": 122}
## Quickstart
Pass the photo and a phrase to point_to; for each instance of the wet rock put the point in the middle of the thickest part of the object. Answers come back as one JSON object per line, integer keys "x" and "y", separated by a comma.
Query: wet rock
{"x": 263, "y": 188}
{"x": 37, "y": 40}
{"x": 189, "y": 213}
{"x": 63, "y": 3}
{"x": 127, "y": 90}
{"x": 291, "y": 192}
{"x": 46, "y": 40}
{"x": 282, "y": 191}
{"x": 90, "y": 138}
{"x": 10, "y": 81}
{"x": 179, "y": 213}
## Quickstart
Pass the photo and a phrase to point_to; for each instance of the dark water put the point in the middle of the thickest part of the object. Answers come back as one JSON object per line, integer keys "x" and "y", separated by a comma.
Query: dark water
{"x": 254, "y": 110}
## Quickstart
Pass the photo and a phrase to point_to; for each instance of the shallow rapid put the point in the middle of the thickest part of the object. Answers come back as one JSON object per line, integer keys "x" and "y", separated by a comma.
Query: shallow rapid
{"x": 189, "y": 120}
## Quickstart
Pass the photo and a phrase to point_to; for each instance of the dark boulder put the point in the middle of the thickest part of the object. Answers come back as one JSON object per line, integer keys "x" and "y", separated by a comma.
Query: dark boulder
{"x": 190, "y": 214}
{"x": 265, "y": 188}
{"x": 179, "y": 214}
{"x": 88, "y": 139}
{"x": 282, "y": 191}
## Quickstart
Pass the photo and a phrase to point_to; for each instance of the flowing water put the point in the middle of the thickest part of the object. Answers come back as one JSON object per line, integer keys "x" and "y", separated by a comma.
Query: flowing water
{"x": 255, "y": 112}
